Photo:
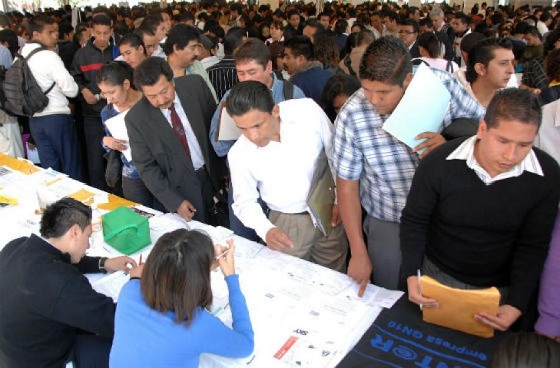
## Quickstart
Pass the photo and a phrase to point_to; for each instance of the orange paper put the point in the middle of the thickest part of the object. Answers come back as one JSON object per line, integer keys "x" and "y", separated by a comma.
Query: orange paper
{"x": 457, "y": 307}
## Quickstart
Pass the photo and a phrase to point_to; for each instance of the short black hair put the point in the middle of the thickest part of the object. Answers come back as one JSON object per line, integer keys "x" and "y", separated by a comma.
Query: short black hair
{"x": 38, "y": 23}
{"x": 483, "y": 52}
{"x": 60, "y": 216}
{"x": 179, "y": 35}
{"x": 247, "y": 96}
{"x": 132, "y": 40}
{"x": 300, "y": 46}
{"x": 513, "y": 104}
{"x": 386, "y": 60}
{"x": 101, "y": 19}
{"x": 150, "y": 70}
{"x": 115, "y": 73}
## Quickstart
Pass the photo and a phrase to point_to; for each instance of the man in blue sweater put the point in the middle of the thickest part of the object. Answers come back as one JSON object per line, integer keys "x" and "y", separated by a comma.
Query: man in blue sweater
{"x": 480, "y": 210}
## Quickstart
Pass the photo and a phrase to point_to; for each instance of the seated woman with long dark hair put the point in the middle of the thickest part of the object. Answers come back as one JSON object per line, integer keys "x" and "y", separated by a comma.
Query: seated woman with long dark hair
{"x": 161, "y": 319}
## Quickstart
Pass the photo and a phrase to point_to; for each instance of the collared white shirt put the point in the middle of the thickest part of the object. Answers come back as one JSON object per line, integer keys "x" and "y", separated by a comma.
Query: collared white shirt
{"x": 196, "y": 153}
{"x": 282, "y": 171}
{"x": 466, "y": 152}
{"x": 548, "y": 138}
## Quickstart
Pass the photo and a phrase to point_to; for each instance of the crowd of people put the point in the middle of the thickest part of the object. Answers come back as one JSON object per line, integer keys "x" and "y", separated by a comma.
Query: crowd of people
{"x": 474, "y": 205}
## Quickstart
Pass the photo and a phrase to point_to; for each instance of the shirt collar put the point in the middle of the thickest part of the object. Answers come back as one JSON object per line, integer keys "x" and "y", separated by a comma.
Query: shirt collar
{"x": 465, "y": 152}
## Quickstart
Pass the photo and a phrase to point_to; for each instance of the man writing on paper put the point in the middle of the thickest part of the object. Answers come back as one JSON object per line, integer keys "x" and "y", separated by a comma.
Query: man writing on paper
{"x": 277, "y": 156}
{"x": 481, "y": 210}
{"x": 374, "y": 169}
{"x": 46, "y": 300}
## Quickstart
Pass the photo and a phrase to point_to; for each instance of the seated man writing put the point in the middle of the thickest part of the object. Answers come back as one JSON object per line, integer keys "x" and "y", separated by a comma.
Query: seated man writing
{"x": 46, "y": 300}
{"x": 481, "y": 210}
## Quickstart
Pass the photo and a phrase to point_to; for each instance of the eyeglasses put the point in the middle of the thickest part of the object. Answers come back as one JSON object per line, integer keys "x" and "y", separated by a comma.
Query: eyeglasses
{"x": 406, "y": 32}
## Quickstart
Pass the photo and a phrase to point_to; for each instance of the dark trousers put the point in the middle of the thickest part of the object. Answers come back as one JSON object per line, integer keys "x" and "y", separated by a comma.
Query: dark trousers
{"x": 207, "y": 192}
{"x": 91, "y": 351}
{"x": 94, "y": 133}
{"x": 135, "y": 190}
{"x": 57, "y": 143}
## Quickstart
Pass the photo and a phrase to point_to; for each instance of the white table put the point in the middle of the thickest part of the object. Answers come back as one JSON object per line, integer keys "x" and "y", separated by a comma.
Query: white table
{"x": 303, "y": 315}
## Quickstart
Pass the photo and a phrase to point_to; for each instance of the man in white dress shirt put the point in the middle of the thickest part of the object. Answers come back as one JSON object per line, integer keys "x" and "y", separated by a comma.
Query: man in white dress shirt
{"x": 276, "y": 157}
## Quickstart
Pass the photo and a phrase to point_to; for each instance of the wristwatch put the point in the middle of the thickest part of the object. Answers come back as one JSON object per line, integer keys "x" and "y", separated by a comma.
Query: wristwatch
{"x": 101, "y": 264}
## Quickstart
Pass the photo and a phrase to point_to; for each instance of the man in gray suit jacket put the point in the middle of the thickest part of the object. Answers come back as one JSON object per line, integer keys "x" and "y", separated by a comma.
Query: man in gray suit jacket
{"x": 168, "y": 137}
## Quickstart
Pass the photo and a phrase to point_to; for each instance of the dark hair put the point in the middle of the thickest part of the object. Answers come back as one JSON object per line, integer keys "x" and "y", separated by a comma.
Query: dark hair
{"x": 410, "y": 22}
{"x": 325, "y": 50}
{"x": 462, "y": 17}
{"x": 132, "y": 40}
{"x": 247, "y": 96}
{"x": 60, "y": 216}
{"x": 300, "y": 45}
{"x": 526, "y": 350}
{"x": 64, "y": 29}
{"x": 38, "y": 23}
{"x": 115, "y": 73}
{"x": 252, "y": 49}
{"x": 551, "y": 39}
{"x": 340, "y": 26}
{"x": 483, "y": 52}
{"x": 386, "y": 60}
{"x": 233, "y": 39}
{"x": 176, "y": 276}
{"x": 430, "y": 42}
{"x": 179, "y": 35}
{"x": 101, "y": 19}
{"x": 426, "y": 22}
{"x": 513, "y": 104}
{"x": 338, "y": 84}
{"x": 150, "y": 70}
{"x": 9, "y": 36}
{"x": 534, "y": 31}
{"x": 151, "y": 22}
{"x": 552, "y": 65}
{"x": 277, "y": 24}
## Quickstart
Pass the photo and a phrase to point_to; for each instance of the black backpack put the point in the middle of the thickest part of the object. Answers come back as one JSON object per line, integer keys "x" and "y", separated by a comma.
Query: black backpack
{"x": 21, "y": 93}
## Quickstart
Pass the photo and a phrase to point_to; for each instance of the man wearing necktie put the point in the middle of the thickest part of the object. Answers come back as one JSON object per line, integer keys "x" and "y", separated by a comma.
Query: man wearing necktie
{"x": 168, "y": 136}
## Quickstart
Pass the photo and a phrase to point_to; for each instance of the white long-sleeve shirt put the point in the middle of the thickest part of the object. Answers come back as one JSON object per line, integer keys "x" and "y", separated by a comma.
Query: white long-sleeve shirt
{"x": 47, "y": 67}
{"x": 282, "y": 171}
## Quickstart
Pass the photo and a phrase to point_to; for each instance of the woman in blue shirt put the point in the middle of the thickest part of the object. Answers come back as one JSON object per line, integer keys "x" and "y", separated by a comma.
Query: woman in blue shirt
{"x": 161, "y": 320}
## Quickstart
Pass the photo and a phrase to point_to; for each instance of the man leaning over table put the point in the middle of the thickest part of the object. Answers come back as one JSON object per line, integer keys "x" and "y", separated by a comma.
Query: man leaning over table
{"x": 375, "y": 169}
{"x": 276, "y": 156}
{"x": 481, "y": 210}
{"x": 47, "y": 302}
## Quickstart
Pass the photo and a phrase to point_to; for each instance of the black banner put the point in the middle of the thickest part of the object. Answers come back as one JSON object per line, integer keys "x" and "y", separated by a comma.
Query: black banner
{"x": 399, "y": 338}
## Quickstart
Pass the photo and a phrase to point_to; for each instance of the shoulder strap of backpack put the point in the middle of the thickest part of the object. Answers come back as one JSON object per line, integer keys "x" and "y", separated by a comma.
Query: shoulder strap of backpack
{"x": 288, "y": 90}
{"x": 33, "y": 52}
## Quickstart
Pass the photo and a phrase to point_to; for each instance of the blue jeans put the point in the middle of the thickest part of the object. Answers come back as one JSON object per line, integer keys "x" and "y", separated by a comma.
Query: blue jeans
{"x": 57, "y": 143}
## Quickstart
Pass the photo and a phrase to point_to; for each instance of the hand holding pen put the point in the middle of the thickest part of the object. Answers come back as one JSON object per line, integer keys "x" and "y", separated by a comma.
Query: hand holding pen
{"x": 225, "y": 258}
{"x": 415, "y": 293}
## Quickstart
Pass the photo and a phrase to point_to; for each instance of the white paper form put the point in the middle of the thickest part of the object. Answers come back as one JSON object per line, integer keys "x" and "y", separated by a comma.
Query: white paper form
{"x": 111, "y": 284}
{"x": 421, "y": 109}
{"x": 117, "y": 128}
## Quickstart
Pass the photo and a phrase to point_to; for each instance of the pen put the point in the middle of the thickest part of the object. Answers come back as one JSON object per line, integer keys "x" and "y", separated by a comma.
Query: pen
{"x": 419, "y": 285}
{"x": 222, "y": 254}
{"x": 140, "y": 261}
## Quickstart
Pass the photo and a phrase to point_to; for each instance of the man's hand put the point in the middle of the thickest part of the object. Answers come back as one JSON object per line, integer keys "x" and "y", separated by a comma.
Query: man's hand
{"x": 506, "y": 316}
{"x": 359, "y": 269}
{"x": 415, "y": 294}
{"x": 433, "y": 140}
{"x": 186, "y": 210}
{"x": 278, "y": 240}
{"x": 335, "y": 216}
{"x": 89, "y": 97}
{"x": 122, "y": 263}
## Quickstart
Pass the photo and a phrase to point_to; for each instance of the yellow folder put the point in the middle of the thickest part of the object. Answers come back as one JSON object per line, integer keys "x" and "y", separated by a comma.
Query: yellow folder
{"x": 457, "y": 307}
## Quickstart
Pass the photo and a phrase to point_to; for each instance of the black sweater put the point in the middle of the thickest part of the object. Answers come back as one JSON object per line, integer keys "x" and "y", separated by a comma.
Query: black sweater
{"x": 483, "y": 235}
{"x": 44, "y": 301}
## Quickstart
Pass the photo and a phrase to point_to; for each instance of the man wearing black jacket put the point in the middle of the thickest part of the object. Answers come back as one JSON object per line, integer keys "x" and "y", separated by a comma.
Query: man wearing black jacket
{"x": 46, "y": 299}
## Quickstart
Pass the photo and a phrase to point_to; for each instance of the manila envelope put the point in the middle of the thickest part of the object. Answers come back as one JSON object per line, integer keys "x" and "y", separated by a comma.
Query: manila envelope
{"x": 457, "y": 307}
